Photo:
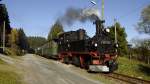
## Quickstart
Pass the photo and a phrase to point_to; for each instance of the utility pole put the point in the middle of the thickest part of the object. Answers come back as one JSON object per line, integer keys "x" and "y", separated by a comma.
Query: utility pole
{"x": 102, "y": 15}
{"x": 115, "y": 31}
{"x": 116, "y": 41}
{"x": 4, "y": 36}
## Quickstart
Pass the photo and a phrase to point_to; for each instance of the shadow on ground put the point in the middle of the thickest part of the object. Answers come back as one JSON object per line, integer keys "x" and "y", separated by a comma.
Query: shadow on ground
{"x": 144, "y": 69}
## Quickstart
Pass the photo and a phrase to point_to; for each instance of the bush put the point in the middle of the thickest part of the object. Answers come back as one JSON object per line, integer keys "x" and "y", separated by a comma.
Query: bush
{"x": 13, "y": 52}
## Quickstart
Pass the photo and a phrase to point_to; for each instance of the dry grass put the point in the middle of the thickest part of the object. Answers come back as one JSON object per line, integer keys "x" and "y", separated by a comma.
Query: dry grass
{"x": 8, "y": 75}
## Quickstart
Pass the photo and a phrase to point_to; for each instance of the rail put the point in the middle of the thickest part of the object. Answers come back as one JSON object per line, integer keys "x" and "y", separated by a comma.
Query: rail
{"x": 127, "y": 79}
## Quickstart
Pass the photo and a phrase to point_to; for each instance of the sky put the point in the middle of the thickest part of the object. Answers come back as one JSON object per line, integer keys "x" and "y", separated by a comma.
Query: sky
{"x": 37, "y": 16}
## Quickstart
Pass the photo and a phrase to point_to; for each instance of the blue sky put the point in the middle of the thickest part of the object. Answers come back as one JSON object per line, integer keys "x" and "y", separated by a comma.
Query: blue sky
{"x": 37, "y": 16}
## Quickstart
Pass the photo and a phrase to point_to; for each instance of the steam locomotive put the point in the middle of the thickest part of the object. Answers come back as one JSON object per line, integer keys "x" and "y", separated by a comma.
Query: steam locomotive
{"x": 96, "y": 54}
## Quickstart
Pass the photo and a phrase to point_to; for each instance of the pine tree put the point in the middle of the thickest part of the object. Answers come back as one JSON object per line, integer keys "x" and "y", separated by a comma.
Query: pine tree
{"x": 23, "y": 42}
{"x": 55, "y": 30}
{"x": 4, "y": 17}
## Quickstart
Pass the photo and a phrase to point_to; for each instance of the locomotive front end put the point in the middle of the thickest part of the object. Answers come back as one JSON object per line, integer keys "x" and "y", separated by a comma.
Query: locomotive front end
{"x": 103, "y": 50}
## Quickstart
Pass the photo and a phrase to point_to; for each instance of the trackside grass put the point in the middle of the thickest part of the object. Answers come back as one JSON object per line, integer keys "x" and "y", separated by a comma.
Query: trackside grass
{"x": 133, "y": 68}
{"x": 7, "y": 74}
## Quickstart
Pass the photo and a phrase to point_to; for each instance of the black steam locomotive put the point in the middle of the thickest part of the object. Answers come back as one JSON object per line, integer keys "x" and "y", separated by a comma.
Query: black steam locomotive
{"x": 95, "y": 54}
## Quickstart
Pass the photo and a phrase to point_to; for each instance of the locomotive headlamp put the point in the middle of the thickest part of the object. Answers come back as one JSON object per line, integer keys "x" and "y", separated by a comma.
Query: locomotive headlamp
{"x": 95, "y": 44}
{"x": 116, "y": 45}
{"x": 107, "y": 30}
{"x": 60, "y": 42}
{"x": 68, "y": 45}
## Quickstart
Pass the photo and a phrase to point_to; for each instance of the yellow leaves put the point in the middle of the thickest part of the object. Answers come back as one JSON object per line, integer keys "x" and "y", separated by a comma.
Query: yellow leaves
{"x": 14, "y": 36}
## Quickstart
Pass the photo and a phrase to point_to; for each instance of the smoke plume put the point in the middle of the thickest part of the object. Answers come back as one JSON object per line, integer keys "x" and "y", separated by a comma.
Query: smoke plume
{"x": 82, "y": 15}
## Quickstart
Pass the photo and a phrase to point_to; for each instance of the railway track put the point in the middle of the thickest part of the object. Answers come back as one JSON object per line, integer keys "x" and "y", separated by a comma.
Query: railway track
{"x": 127, "y": 79}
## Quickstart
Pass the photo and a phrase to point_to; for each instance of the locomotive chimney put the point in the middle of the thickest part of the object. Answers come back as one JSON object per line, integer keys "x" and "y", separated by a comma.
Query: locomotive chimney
{"x": 99, "y": 22}
{"x": 99, "y": 26}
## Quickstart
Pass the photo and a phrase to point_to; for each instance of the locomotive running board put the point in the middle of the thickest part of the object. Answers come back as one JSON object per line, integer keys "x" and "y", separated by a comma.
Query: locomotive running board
{"x": 98, "y": 68}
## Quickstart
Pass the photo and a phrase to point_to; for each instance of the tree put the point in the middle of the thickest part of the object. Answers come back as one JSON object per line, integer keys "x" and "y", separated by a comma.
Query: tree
{"x": 18, "y": 41}
{"x": 142, "y": 49}
{"x": 55, "y": 30}
{"x": 23, "y": 42}
{"x": 4, "y": 17}
{"x": 13, "y": 40}
{"x": 144, "y": 23}
{"x": 121, "y": 36}
{"x": 14, "y": 37}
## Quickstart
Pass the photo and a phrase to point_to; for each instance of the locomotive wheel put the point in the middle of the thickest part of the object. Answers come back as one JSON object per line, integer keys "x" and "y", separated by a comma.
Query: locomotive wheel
{"x": 66, "y": 60}
{"x": 87, "y": 64}
{"x": 113, "y": 66}
{"x": 76, "y": 61}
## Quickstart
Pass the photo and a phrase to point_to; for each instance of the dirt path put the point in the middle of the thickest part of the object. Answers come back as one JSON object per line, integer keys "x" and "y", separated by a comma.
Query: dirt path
{"x": 39, "y": 70}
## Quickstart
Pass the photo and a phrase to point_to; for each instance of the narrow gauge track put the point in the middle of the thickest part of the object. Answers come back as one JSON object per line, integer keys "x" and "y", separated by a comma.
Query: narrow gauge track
{"x": 127, "y": 79}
